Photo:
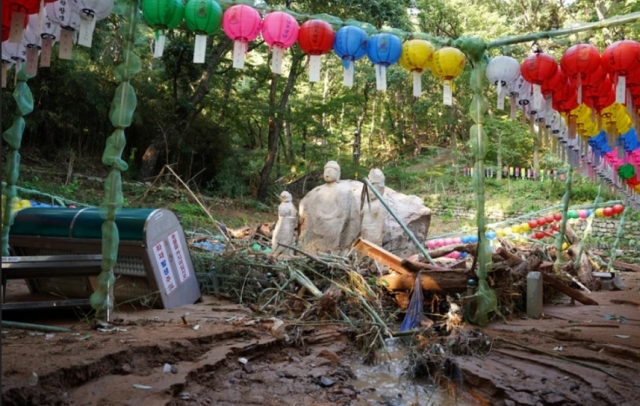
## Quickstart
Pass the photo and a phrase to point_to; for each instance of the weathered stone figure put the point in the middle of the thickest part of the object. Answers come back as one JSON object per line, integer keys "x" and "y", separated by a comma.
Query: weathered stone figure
{"x": 373, "y": 213}
{"x": 284, "y": 231}
{"x": 329, "y": 220}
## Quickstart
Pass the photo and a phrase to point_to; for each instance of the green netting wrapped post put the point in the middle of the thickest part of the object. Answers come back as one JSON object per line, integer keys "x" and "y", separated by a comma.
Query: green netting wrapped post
{"x": 475, "y": 48}
{"x": 563, "y": 224}
{"x": 13, "y": 137}
{"x": 614, "y": 247}
{"x": 121, "y": 114}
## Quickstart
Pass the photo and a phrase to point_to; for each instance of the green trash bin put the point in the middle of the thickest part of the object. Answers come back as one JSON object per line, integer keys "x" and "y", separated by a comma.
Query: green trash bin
{"x": 154, "y": 266}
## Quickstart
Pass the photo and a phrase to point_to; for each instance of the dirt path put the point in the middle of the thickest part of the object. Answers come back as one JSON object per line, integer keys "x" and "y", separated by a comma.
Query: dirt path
{"x": 576, "y": 354}
{"x": 231, "y": 359}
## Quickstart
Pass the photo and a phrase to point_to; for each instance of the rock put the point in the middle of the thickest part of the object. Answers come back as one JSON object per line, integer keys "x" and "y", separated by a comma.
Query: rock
{"x": 410, "y": 209}
{"x": 326, "y": 382}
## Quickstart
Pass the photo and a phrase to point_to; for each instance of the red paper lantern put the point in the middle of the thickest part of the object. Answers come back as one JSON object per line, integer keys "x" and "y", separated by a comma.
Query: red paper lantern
{"x": 542, "y": 221}
{"x": 608, "y": 211}
{"x": 617, "y": 208}
{"x": 620, "y": 59}
{"x": 540, "y": 235}
{"x": 549, "y": 219}
{"x": 557, "y": 216}
{"x": 316, "y": 37}
{"x": 578, "y": 62}
{"x": 533, "y": 224}
{"x": 555, "y": 227}
{"x": 538, "y": 69}
{"x": 558, "y": 80}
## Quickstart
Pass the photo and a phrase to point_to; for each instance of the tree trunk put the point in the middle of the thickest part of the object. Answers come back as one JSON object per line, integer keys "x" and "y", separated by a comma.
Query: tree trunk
{"x": 182, "y": 116}
{"x": 275, "y": 124}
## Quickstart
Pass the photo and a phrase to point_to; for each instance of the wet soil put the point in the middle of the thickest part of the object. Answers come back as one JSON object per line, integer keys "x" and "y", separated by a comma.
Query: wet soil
{"x": 574, "y": 355}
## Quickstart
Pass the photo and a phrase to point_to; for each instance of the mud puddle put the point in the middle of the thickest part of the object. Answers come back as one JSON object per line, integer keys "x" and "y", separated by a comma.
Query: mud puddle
{"x": 385, "y": 383}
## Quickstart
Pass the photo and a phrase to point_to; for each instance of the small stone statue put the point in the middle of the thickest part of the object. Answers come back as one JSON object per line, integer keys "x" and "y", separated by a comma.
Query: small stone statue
{"x": 329, "y": 220}
{"x": 373, "y": 213}
{"x": 284, "y": 231}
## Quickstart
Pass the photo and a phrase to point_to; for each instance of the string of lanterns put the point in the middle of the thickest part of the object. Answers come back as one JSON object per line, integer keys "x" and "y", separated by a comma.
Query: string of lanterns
{"x": 587, "y": 105}
{"x": 534, "y": 229}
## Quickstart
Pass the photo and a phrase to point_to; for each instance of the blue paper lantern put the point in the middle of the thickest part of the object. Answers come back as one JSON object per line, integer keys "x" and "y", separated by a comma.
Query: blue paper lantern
{"x": 383, "y": 50}
{"x": 350, "y": 45}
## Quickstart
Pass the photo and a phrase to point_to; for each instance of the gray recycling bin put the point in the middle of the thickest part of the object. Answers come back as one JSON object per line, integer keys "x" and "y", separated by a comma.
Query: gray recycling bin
{"x": 154, "y": 266}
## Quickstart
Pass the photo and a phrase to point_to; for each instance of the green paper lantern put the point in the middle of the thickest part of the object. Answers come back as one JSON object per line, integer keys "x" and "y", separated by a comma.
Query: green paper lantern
{"x": 162, "y": 14}
{"x": 204, "y": 17}
{"x": 626, "y": 171}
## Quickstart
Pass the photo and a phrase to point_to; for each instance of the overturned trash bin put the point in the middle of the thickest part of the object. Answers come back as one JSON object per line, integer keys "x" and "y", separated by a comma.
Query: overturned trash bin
{"x": 154, "y": 266}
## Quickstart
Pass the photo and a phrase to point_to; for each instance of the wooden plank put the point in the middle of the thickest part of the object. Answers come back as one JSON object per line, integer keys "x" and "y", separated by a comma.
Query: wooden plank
{"x": 381, "y": 255}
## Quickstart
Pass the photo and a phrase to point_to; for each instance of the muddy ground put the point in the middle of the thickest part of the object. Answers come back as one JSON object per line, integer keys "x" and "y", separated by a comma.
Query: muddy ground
{"x": 588, "y": 355}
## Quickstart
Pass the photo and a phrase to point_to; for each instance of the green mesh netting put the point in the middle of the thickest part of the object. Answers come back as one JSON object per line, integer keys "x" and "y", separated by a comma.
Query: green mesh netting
{"x": 121, "y": 115}
{"x": 13, "y": 137}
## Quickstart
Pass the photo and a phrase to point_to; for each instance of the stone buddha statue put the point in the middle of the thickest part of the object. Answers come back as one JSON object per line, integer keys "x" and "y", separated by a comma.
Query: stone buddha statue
{"x": 373, "y": 212}
{"x": 329, "y": 219}
{"x": 286, "y": 225}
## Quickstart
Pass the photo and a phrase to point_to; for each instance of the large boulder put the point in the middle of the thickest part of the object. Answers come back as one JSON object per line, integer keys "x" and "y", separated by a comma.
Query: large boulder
{"x": 410, "y": 210}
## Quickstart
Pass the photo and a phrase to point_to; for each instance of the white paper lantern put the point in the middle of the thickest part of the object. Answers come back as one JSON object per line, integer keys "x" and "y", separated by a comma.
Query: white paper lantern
{"x": 90, "y": 11}
{"x": 61, "y": 13}
{"x": 501, "y": 72}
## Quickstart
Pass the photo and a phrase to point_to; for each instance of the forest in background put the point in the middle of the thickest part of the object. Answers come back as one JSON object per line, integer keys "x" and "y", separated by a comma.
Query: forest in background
{"x": 245, "y": 132}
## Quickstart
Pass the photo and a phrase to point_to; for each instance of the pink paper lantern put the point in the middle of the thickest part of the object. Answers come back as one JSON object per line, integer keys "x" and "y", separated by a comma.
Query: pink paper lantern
{"x": 280, "y": 31}
{"x": 431, "y": 244}
{"x": 242, "y": 24}
{"x": 454, "y": 255}
{"x": 439, "y": 243}
{"x": 448, "y": 241}
{"x": 583, "y": 214}
{"x": 457, "y": 240}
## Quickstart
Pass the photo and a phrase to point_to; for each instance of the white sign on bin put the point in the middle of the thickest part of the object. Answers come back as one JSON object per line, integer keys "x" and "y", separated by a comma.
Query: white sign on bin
{"x": 178, "y": 258}
{"x": 163, "y": 265}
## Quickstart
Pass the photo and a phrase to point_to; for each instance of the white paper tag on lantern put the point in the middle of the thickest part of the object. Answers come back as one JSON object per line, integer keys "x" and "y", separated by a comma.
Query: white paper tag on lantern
{"x": 5, "y": 68}
{"x": 500, "y": 96}
{"x": 447, "y": 94}
{"x": 87, "y": 25}
{"x": 200, "y": 49}
{"x": 17, "y": 27}
{"x": 66, "y": 44}
{"x": 314, "y": 68}
{"x": 277, "y": 54}
{"x": 32, "y": 61}
{"x": 537, "y": 97}
{"x": 381, "y": 77}
{"x": 45, "y": 53}
{"x": 512, "y": 105}
{"x": 158, "y": 48}
{"x": 417, "y": 84}
{"x": 239, "y": 50}
{"x": 347, "y": 75}
{"x": 621, "y": 89}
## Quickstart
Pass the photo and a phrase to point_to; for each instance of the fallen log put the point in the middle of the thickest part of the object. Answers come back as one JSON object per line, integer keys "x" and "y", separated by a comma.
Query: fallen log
{"x": 619, "y": 265}
{"x": 416, "y": 266}
{"x": 572, "y": 293}
{"x": 439, "y": 281}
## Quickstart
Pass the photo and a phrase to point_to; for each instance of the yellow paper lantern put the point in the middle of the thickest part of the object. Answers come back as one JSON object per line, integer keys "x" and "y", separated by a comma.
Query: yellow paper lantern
{"x": 524, "y": 227}
{"x": 599, "y": 212}
{"x": 448, "y": 64}
{"x": 417, "y": 56}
